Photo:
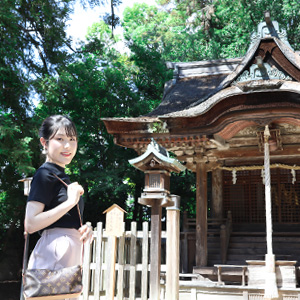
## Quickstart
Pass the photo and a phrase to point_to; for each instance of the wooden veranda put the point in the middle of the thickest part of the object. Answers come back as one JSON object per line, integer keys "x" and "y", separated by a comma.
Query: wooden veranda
{"x": 212, "y": 117}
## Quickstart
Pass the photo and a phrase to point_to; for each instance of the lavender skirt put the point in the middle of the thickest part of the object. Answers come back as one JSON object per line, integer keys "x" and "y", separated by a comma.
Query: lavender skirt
{"x": 57, "y": 248}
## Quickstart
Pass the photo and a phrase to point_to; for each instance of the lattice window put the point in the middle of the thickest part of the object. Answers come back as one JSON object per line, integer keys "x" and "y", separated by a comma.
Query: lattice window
{"x": 246, "y": 198}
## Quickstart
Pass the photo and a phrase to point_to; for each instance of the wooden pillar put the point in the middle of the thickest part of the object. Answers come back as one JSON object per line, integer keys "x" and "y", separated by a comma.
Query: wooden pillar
{"x": 173, "y": 237}
{"x": 184, "y": 253}
{"x": 111, "y": 272}
{"x": 155, "y": 250}
{"x": 217, "y": 194}
{"x": 201, "y": 215}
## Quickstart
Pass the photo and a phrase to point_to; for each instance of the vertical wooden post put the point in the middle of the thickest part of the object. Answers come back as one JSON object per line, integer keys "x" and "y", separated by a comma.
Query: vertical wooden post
{"x": 144, "y": 291}
{"x": 111, "y": 273}
{"x": 217, "y": 194}
{"x": 121, "y": 260}
{"x": 86, "y": 275}
{"x": 173, "y": 237}
{"x": 132, "y": 272}
{"x": 98, "y": 270}
{"x": 223, "y": 244}
{"x": 201, "y": 214}
{"x": 155, "y": 251}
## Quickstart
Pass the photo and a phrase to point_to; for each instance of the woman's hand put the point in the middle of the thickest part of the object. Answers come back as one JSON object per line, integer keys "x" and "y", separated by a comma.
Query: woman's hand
{"x": 86, "y": 232}
{"x": 75, "y": 190}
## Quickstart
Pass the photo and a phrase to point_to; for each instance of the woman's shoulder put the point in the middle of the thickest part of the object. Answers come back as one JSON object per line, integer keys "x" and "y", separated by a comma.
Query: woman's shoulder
{"x": 43, "y": 174}
{"x": 50, "y": 168}
{"x": 47, "y": 170}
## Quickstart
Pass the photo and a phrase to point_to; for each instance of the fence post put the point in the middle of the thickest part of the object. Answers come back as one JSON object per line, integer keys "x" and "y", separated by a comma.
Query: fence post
{"x": 121, "y": 262}
{"x": 144, "y": 291}
{"x": 173, "y": 238}
{"x": 111, "y": 274}
{"x": 86, "y": 268}
{"x": 132, "y": 262}
{"x": 98, "y": 269}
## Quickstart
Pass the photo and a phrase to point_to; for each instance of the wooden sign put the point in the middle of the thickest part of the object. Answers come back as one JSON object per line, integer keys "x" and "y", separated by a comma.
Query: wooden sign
{"x": 114, "y": 225}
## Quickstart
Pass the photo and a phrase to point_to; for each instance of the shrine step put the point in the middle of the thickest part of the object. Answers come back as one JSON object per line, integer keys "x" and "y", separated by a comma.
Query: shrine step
{"x": 213, "y": 250}
{"x": 245, "y": 246}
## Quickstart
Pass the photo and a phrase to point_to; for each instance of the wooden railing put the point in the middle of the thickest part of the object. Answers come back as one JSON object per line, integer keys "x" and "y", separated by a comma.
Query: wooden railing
{"x": 225, "y": 232}
{"x": 215, "y": 226}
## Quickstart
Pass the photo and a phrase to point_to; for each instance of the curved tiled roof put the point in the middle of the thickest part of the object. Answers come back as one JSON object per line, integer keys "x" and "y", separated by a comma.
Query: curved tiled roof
{"x": 199, "y": 87}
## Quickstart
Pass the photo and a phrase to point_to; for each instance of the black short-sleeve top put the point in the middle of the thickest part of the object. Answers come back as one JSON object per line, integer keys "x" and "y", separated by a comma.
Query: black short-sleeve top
{"x": 47, "y": 189}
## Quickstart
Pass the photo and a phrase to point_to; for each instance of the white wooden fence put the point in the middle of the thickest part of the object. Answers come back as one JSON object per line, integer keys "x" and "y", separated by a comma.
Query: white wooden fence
{"x": 132, "y": 269}
{"x": 132, "y": 264}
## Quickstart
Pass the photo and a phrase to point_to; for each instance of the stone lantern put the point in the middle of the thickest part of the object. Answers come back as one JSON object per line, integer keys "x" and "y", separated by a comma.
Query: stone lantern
{"x": 157, "y": 166}
{"x": 27, "y": 184}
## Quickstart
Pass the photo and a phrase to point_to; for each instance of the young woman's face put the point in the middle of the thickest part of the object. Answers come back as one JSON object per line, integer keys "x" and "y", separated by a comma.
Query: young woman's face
{"x": 61, "y": 148}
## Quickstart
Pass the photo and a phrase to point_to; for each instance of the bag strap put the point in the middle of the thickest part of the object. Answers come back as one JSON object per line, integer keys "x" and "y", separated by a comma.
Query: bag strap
{"x": 77, "y": 203}
{"x": 26, "y": 234}
{"x": 25, "y": 253}
{"x": 78, "y": 210}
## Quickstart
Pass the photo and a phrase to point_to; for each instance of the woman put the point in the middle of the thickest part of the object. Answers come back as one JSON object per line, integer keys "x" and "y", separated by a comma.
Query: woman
{"x": 52, "y": 207}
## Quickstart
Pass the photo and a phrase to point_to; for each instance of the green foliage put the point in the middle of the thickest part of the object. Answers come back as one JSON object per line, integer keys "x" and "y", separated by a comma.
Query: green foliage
{"x": 97, "y": 84}
{"x": 201, "y": 30}
{"x": 184, "y": 185}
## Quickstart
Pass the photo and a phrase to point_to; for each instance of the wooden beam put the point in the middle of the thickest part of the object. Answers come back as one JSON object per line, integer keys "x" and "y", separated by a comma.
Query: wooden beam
{"x": 217, "y": 194}
{"x": 201, "y": 215}
{"x": 253, "y": 152}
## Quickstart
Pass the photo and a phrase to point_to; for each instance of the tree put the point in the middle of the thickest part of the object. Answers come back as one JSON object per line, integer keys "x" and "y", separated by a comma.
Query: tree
{"x": 34, "y": 45}
{"x": 200, "y": 30}
{"x": 99, "y": 83}
{"x": 33, "y": 42}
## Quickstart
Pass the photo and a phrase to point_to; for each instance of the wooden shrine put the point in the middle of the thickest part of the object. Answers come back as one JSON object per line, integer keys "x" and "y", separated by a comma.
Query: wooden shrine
{"x": 212, "y": 117}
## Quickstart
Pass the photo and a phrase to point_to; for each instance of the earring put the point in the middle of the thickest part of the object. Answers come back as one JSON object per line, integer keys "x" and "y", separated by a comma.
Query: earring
{"x": 45, "y": 151}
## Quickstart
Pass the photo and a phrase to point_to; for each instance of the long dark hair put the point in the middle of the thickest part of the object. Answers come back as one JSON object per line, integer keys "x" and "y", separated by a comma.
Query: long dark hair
{"x": 51, "y": 125}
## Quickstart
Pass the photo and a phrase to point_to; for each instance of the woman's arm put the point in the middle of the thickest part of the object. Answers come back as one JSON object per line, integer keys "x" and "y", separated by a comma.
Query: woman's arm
{"x": 36, "y": 218}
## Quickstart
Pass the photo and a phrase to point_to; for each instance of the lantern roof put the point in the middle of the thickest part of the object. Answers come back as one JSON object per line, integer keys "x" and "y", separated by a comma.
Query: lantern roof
{"x": 156, "y": 157}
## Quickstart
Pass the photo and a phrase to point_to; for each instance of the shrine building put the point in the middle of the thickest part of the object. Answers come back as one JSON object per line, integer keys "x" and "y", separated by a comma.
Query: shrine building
{"x": 212, "y": 117}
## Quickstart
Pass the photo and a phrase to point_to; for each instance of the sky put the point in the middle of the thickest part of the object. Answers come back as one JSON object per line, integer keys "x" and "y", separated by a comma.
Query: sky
{"x": 82, "y": 19}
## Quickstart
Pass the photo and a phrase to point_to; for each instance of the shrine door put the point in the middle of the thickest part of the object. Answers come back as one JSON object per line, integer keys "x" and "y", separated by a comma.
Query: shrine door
{"x": 246, "y": 198}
